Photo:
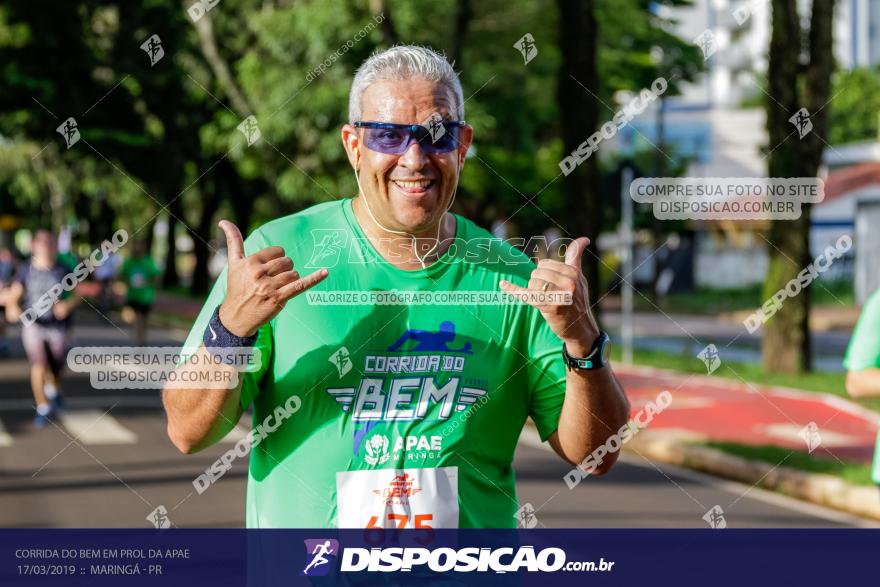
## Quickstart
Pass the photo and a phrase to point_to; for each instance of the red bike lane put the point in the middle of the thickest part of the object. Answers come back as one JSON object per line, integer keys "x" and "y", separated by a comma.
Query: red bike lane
{"x": 721, "y": 409}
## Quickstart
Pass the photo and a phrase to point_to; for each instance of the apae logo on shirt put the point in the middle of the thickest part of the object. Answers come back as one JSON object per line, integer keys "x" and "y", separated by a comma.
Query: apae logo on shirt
{"x": 378, "y": 448}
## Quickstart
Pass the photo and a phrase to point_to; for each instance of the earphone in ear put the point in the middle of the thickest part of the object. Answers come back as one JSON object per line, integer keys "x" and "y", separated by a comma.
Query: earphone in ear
{"x": 377, "y": 223}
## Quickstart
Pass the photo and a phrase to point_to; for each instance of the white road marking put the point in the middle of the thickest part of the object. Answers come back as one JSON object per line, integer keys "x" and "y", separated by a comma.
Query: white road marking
{"x": 102, "y": 402}
{"x": 96, "y": 427}
{"x": 792, "y": 434}
{"x": 5, "y": 438}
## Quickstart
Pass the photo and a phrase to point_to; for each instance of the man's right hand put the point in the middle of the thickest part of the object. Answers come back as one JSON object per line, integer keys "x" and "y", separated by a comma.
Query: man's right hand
{"x": 258, "y": 286}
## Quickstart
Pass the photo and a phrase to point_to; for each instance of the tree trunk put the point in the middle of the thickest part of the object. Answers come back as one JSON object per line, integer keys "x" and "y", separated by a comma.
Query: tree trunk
{"x": 786, "y": 343}
{"x": 201, "y": 236}
{"x": 171, "y": 278}
{"x": 389, "y": 31}
{"x": 146, "y": 234}
{"x": 242, "y": 195}
{"x": 463, "y": 13}
{"x": 222, "y": 72}
{"x": 579, "y": 116}
{"x": 657, "y": 224}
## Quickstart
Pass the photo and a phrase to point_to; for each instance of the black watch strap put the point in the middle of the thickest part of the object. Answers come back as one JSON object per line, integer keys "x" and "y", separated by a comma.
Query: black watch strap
{"x": 595, "y": 360}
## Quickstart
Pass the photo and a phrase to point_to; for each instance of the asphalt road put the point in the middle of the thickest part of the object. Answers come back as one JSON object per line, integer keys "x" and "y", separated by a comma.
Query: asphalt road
{"x": 110, "y": 464}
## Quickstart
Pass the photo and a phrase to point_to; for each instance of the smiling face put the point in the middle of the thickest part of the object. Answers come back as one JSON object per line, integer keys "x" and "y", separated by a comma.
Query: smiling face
{"x": 409, "y": 192}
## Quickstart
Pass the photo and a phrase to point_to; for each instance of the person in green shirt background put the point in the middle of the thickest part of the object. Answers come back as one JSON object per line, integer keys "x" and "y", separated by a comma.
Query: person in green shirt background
{"x": 139, "y": 274}
{"x": 862, "y": 362}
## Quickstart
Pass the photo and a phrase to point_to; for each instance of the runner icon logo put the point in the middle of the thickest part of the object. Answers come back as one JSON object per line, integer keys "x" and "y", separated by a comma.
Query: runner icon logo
{"x": 710, "y": 358}
{"x": 526, "y": 517}
{"x": 342, "y": 360}
{"x": 320, "y": 553}
{"x": 811, "y": 436}
{"x": 715, "y": 518}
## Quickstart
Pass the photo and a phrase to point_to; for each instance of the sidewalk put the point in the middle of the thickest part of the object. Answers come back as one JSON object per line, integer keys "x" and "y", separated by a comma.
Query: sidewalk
{"x": 823, "y": 317}
{"x": 710, "y": 408}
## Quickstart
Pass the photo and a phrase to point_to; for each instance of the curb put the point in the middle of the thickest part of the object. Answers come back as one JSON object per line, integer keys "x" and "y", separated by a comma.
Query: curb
{"x": 817, "y": 488}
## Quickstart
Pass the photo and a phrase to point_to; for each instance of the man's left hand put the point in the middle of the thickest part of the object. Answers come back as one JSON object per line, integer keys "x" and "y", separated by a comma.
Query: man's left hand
{"x": 574, "y": 322}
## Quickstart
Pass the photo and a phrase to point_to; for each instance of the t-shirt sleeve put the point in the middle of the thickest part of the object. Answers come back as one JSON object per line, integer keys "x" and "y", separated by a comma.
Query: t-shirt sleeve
{"x": 864, "y": 346}
{"x": 546, "y": 375}
{"x": 251, "y": 380}
{"x": 21, "y": 275}
{"x": 61, "y": 272}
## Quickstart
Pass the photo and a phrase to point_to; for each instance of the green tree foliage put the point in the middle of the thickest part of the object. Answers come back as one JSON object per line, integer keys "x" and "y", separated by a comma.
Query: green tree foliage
{"x": 161, "y": 141}
{"x": 856, "y": 111}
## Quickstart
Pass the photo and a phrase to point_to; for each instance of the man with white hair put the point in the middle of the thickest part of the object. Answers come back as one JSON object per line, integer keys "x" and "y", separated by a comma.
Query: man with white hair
{"x": 410, "y": 412}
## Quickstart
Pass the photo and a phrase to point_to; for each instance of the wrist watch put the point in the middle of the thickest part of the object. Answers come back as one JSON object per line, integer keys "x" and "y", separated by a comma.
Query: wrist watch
{"x": 597, "y": 358}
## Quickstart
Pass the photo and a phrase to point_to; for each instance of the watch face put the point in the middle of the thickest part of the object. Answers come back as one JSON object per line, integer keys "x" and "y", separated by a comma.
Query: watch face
{"x": 606, "y": 351}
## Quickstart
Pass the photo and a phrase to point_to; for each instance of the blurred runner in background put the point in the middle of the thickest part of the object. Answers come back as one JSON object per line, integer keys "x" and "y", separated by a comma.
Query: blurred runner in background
{"x": 64, "y": 248}
{"x": 7, "y": 273}
{"x": 105, "y": 274}
{"x": 44, "y": 339}
{"x": 139, "y": 274}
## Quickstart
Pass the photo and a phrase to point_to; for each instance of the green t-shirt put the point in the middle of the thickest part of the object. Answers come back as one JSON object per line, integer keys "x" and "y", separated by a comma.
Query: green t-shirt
{"x": 864, "y": 346}
{"x": 864, "y": 353}
{"x": 409, "y": 414}
{"x": 140, "y": 274}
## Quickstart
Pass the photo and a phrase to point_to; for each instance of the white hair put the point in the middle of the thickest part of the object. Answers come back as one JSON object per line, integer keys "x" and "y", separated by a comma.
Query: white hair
{"x": 403, "y": 62}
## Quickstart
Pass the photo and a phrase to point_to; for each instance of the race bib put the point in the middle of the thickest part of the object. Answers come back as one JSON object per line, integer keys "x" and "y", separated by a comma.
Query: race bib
{"x": 398, "y": 498}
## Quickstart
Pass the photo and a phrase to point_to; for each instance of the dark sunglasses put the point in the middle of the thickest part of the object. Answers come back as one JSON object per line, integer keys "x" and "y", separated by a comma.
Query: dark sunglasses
{"x": 395, "y": 139}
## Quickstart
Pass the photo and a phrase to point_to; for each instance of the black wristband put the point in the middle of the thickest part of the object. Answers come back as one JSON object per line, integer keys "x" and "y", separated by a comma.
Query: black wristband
{"x": 218, "y": 339}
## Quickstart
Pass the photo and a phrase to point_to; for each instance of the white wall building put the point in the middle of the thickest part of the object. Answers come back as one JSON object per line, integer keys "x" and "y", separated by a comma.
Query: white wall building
{"x": 707, "y": 124}
{"x": 741, "y": 31}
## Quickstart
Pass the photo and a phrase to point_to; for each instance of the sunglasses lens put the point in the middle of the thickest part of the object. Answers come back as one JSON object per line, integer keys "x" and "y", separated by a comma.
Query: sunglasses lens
{"x": 445, "y": 143}
{"x": 394, "y": 141}
{"x": 391, "y": 141}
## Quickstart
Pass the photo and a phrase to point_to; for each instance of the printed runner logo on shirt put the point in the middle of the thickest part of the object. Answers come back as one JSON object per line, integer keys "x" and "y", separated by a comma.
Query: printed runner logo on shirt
{"x": 428, "y": 373}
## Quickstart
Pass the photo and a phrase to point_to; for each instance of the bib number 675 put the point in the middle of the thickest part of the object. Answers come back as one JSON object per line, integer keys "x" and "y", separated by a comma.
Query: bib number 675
{"x": 419, "y": 521}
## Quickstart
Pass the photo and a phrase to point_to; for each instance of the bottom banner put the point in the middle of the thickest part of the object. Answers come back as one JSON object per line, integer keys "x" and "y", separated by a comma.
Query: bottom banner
{"x": 193, "y": 558}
